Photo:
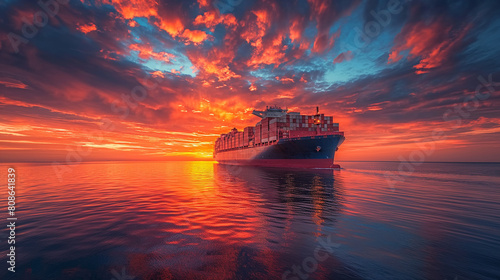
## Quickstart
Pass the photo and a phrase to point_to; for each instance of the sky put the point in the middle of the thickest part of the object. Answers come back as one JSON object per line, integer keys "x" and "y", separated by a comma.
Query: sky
{"x": 84, "y": 80}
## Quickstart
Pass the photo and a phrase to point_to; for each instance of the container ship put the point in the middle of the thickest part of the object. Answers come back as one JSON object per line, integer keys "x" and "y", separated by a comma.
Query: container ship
{"x": 282, "y": 139}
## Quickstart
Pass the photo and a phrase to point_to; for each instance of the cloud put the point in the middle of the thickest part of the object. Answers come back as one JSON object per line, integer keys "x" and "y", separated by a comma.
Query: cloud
{"x": 86, "y": 28}
{"x": 194, "y": 36}
{"x": 345, "y": 56}
{"x": 326, "y": 13}
{"x": 211, "y": 19}
{"x": 12, "y": 83}
{"x": 434, "y": 42}
{"x": 147, "y": 52}
{"x": 394, "y": 56}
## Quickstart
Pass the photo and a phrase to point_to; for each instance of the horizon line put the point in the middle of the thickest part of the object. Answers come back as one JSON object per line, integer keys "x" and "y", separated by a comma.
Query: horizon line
{"x": 173, "y": 160}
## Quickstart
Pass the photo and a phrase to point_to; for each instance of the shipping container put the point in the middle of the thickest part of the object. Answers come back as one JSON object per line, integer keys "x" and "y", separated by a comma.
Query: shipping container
{"x": 248, "y": 130}
{"x": 258, "y": 134}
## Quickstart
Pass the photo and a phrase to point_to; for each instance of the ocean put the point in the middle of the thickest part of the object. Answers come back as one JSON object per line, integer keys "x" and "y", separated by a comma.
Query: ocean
{"x": 202, "y": 220}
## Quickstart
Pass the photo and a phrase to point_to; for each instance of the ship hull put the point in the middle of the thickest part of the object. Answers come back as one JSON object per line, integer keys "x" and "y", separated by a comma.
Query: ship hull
{"x": 303, "y": 152}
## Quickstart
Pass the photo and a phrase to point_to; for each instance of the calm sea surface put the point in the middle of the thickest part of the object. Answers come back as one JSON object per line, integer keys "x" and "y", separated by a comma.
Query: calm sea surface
{"x": 201, "y": 220}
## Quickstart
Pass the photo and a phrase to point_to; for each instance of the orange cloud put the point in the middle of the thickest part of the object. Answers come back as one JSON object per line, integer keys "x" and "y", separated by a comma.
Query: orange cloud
{"x": 285, "y": 80}
{"x": 296, "y": 29}
{"x": 172, "y": 25}
{"x": 130, "y": 9}
{"x": 195, "y": 36}
{"x": 325, "y": 13}
{"x": 11, "y": 83}
{"x": 158, "y": 74}
{"x": 211, "y": 18}
{"x": 272, "y": 52}
{"x": 146, "y": 52}
{"x": 324, "y": 41}
{"x": 215, "y": 62}
{"x": 215, "y": 67}
{"x": 86, "y": 28}
{"x": 318, "y": 6}
{"x": 394, "y": 56}
{"x": 132, "y": 23}
{"x": 256, "y": 29}
{"x": 203, "y": 3}
{"x": 434, "y": 43}
{"x": 265, "y": 52}
{"x": 166, "y": 20}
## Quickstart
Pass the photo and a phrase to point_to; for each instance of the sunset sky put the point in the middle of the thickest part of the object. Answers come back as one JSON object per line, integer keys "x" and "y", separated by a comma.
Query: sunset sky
{"x": 160, "y": 80}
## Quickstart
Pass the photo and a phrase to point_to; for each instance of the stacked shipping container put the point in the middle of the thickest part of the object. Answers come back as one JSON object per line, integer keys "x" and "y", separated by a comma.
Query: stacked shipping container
{"x": 269, "y": 130}
{"x": 258, "y": 133}
{"x": 248, "y": 135}
{"x": 265, "y": 130}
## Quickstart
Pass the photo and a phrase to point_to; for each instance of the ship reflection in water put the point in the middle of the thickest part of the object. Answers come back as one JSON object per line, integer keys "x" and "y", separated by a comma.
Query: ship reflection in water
{"x": 202, "y": 220}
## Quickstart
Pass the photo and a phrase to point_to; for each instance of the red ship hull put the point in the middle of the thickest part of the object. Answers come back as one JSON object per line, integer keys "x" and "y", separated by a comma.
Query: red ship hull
{"x": 286, "y": 163}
